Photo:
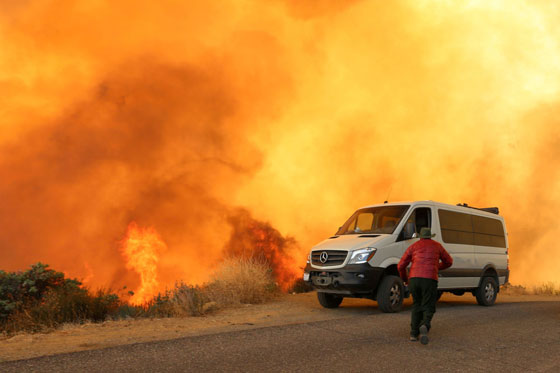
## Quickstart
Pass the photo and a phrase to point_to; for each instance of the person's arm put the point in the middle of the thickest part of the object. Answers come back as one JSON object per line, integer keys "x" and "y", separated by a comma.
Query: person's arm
{"x": 404, "y": 262}
{"x": 446, "y": 259}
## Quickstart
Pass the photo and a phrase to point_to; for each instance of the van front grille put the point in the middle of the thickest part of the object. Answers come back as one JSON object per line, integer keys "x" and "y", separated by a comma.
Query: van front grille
{"x": 334, "y": 257}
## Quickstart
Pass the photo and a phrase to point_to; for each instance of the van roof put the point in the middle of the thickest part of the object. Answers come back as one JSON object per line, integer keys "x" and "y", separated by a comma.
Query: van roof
{"x": 469, "y": 210}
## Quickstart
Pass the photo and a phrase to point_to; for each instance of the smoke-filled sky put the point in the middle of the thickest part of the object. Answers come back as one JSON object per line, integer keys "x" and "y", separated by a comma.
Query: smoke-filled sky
{"x": 172, "y": 115}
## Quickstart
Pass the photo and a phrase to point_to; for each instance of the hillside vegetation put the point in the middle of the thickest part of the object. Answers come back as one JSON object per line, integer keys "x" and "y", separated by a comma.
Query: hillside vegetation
{"x": 41, "y": 298}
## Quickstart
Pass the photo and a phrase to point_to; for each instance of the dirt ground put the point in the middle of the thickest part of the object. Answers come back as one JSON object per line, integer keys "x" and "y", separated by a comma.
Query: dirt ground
{"x": 286, "y": 309}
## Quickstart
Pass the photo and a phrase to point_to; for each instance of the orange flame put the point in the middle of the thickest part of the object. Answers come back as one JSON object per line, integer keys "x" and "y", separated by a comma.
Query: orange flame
{"x": 140, "y": 249}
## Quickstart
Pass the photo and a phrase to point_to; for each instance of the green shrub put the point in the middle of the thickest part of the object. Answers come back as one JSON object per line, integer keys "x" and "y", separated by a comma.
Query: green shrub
{"x": 43, "y": 298}
{"x": 21, "y": 288}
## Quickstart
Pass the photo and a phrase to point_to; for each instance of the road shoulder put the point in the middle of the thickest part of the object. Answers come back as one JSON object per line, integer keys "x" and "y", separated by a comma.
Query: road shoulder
{"x": 286, "y": 309}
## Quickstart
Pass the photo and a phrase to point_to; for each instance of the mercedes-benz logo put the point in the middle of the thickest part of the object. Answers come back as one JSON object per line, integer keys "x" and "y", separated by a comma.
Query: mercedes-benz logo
{"x": 323, "y": 257}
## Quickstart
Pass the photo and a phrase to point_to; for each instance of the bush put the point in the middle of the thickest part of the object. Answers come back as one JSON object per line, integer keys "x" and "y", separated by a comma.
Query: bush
{"x": 237, "y": 281}
{"x": 189, "y": 300}
{"x": 160, "y": 306}
{"x": 242, "y": 281}
{"x": 20, "y": 288}
{"x": 43, "y": 298}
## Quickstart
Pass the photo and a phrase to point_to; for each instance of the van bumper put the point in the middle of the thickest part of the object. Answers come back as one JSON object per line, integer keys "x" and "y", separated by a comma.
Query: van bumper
{"x": 352, "y": 280}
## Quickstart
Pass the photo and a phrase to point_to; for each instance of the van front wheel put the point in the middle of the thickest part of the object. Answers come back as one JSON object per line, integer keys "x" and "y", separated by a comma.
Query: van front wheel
{"x": 329, "y": 300}
{"x": 487, "y": 292}
{"x": 390, "y": 294}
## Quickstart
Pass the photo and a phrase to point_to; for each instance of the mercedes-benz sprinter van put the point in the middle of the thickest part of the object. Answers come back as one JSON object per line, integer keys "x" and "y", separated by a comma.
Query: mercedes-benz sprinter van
{"x": 360, "y": 260}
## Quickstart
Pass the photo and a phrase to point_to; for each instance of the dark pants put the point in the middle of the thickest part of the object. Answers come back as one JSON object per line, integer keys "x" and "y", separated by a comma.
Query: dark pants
{"x": 424, "y": 295}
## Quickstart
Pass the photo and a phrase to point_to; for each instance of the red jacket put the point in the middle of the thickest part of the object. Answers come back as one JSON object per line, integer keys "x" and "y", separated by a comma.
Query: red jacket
{"x": 425, "y": 256}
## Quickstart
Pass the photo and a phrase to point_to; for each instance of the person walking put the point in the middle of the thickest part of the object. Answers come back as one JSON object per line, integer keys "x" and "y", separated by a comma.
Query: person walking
{"x": 427, "y": 257}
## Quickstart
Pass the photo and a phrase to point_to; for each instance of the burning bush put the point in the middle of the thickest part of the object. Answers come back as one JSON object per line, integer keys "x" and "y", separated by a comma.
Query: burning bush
{"x": 253, "y": 239}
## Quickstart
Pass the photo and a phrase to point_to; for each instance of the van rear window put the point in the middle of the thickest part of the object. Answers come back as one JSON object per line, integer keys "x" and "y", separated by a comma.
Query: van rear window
{"x": 467, "y": 229}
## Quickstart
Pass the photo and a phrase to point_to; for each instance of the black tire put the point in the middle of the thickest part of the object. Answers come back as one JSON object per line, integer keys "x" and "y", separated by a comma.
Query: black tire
{"x": 487, "y": 292}
{"x": 329, "y": 300}
{"x": 390, "y": 294}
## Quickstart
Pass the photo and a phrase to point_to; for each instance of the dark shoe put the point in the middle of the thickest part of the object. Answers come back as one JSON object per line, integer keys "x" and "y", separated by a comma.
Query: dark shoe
{"x": 424, "y": 335}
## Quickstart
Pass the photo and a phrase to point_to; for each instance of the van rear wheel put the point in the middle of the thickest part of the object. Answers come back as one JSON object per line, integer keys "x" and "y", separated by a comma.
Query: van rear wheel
{"x": 390, "y": 294}
{"x": 329, "y": 300}
{"x": 487, "y": 292}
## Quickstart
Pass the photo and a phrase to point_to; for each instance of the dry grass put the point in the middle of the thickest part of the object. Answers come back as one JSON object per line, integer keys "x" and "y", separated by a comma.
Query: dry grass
{"x": 59, "y": 306}
{"x": 237, "y": 281}
{"x": 549, "y": 288}
{"x": 509, "y": 289}
{"x": 189, "y": 300}
{"x": 241, "y": 281}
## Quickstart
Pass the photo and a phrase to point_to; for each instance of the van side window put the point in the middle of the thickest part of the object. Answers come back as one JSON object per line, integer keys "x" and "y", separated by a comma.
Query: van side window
{"x": 467, "y": 229}
{"x": 488, "y": 232}
{"x": 421, "y": 217}
{"x": 456, "y": 227}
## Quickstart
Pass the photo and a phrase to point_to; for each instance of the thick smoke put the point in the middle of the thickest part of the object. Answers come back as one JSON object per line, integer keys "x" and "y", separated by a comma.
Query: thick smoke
{"x": 172, "y": 115}
{"x": 156, "y": 144}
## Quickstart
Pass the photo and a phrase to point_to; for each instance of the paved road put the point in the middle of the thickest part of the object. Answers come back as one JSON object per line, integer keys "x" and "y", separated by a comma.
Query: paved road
{"x": 465, "y": 337}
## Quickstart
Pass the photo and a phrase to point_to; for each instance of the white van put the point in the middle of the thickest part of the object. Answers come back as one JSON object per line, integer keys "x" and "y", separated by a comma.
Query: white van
{"x": 360, "y": 260}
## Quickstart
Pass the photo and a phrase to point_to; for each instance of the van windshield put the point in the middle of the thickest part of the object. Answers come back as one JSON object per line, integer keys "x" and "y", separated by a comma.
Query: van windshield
{"x": 381, "y": 219}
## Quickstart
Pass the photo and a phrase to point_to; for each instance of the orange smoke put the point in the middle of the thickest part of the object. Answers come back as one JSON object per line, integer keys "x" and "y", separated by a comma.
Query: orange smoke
{"x": 141, "y": 249}
{"x": 175, "y": 114}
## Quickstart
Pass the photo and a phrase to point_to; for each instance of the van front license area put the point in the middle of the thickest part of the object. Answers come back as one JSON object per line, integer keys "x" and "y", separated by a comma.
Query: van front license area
{"x": 324, "y": 280}
{"x": 353, "y": 279}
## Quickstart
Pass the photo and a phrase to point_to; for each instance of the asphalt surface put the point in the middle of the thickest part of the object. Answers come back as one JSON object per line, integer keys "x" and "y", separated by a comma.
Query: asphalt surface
{"x": 464, "y": 337}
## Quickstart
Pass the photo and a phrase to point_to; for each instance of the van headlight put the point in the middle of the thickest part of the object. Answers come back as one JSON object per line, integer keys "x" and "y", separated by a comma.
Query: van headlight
{"x": 362, "y": 255}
